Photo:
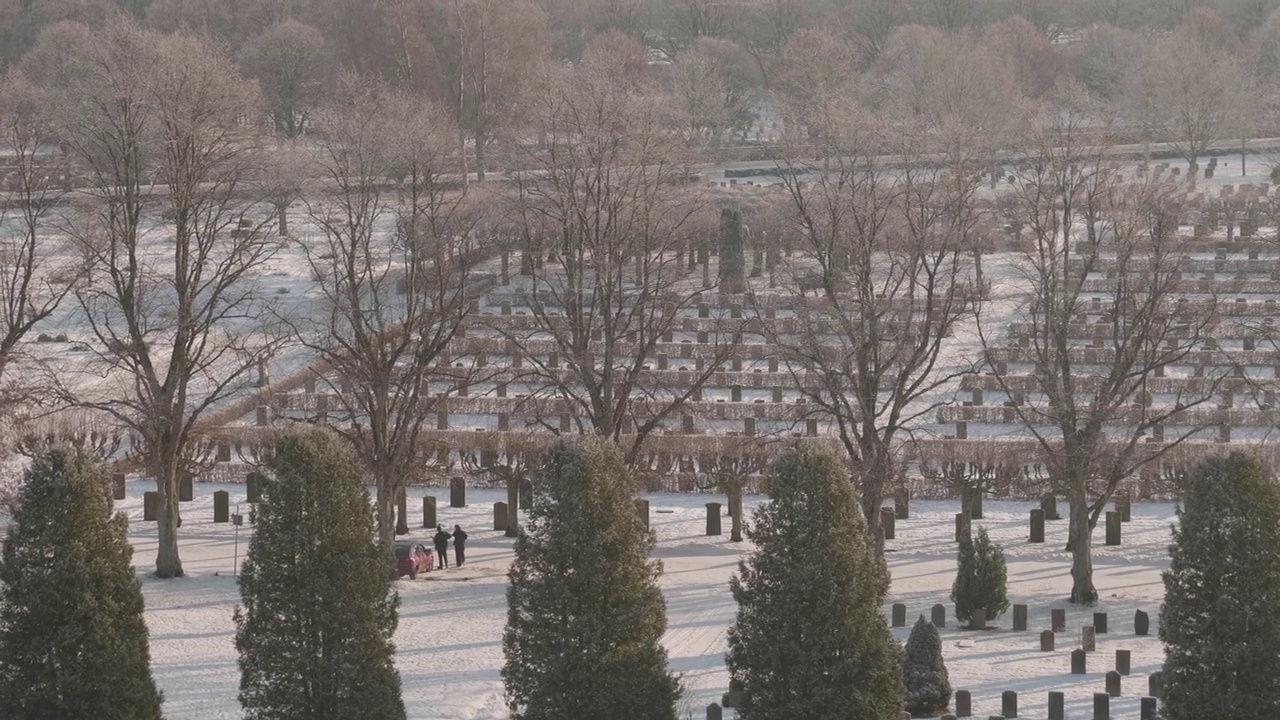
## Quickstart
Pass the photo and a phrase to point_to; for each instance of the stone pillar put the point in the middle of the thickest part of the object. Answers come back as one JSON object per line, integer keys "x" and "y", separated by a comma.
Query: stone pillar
{"x": 457, "y": 492}
{"x": 1058, "y": 620}
{"x": 150, "y": 501}
{"x": 1077, "y": 662}
{"x": 500, "y": 517}
{"x": 1009, "y": 704}
{"x": 221, "y": 506}
{"x": 1037, "y": 526}
{"x": 1088, "y": 638}
{"x": 713, "y": 519}
{"x": 1141, "y": 623}
{"x": 887, "y": 523}
{"x": 402, "y": 512}
{"x": 1057, "y": 705}
{"x": 117, "y": 486}
{"x": 642, "y": 507}
{"x": 964, "y": 704}
{"x": 1046, "y": 641}
{"x": 1100, "y": 622}
{"x": 1113, "y": 528}
{"x": 1113, "y": 683}
{"x": 1123, "y": 662}
{"x": 978, "y": 620}
{"x": 938, "y": 616}
{"x": 253, "y": 487}
{"x": 186, "y": 487}
{"x": 429, "y": 511}
{"x": 1019, "y": 618}
{"x": 899, "y": 617}
{"x": 1101, "y": 706}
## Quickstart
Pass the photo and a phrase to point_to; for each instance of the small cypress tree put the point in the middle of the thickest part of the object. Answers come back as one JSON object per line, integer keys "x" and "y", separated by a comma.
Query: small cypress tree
{"x": 1219, "y": 622}
{"x": 73, "y": 643}
{"x": 809, "y": 640}
{"x": 314, "y": 633}
{"x": 928, "y": 690}
{"x": 585, "y": 615}
{"x": 981, "y": 578}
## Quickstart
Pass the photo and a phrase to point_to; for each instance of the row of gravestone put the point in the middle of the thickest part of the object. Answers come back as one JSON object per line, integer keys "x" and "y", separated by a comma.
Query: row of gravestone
{"x": 1048, "y": 511}
{"x": 1057, "y": 619}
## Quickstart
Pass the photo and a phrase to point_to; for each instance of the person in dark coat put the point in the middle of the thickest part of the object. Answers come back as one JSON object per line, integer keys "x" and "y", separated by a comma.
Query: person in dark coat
{"x": 441, "y": 541}
{"x": 459, "y": 544}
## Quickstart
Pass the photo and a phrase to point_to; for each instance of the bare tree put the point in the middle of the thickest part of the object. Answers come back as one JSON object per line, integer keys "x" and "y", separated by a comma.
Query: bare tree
{"x": 289, "y": 62}
{"x": 730, "y": 474}
{"x": 156, "y": 122}
{"x": 1091, "y": 409}
{"x": 888, "y": 252}
{"x": 392, "y": 303}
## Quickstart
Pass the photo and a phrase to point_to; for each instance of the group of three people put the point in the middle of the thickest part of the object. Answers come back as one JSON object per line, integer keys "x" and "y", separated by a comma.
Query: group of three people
{"x": 441, "y": 540}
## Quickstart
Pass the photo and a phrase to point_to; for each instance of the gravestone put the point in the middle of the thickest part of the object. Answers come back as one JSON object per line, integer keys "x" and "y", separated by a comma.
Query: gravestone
{"x": 1037, "y": 526}
{"x": 959, "y": 526}
{"x": 964, "y": 704}
{"x": 150, "y": 500}
{"x": 1155, "y": 688}
{"x": 713, "y": 519}
{"x": 402, "y": 512}
{"x": 1046, "y": 641}
{"x": 221, "y": 506}
{"x": 976, "y": 507}
{"x": 1057, "y": 705}
{"x": 902, "y": 505}
{"x": 1147, "y": 708}
{"x": 642, "y": 508}
{"x": 1009, "y": 703}
{"x": 1019, "y": 618}
{"x": 500, "y": 517}
{"x": 253, "y": 487}
{"x": 715, "y": 712}
{"x": 1113, "y": 683}
{"x": 1088, "y": 638}
{"x": 1123, "y": 662}
{"x": 429, "y": 511}
{"x": 1058, "y": 620}
{"x": 526, "y": 494}
{"x": 117, "y": 486}
{"x": 457, "y": 492}
{"x": 1049, "y": 504}
{"x": 938, "y": 616}
{"x": 1101, "y": 706}
{"x": 978, "y": 620}
{"x": 1113, "y": 528}
{"x": 887, "y": 523}
{"x": 949, "y": 717}
{"x": 1077, "y": 662}
{"x": 1100, "y": 622}
{"x": 899, "y": 614}
{"x": 186, "y": 487}
{"x": 1141, "y": 623}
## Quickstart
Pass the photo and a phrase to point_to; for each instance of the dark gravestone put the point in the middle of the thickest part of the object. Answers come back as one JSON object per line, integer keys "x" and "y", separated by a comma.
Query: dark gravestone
{"x": 964, "y": 704}
{"x": 526, "y": 495}
{"x": 715, "y": 712}
{"x": 1088, "y": 638}
{"x": 1057, "y": 705}
{"x": 1101, "y": 706}
{"x": 899, "y": 615}
{"x": 457, "y": 492}
{"x": 1155, "y": 688}
{"x": 1123, "y": 662}
{"x": 1037, "y": 526}
{"x": 186, "y": 487}
{"x": 939, "y": 616}
{"x": 150, "y": 500}
{"x": 1046, "y": 641}
{"x": 642, "y": 509}
{"x": 713, "y": 518}
{"x": 253, "y": 487}
{"x": 1049, "y": 504}
{"x": 1113, "y": 683}
{"x": 1100, "y": 622}
{"x": 117, "y": 486}
{"x": 1113, "y": 528}
{"x": 1058, "y": 620}
{"x": 1141, "y": 623}
{"x": 959, "y": 526}
{"x": 429, "y": 511}
{"x": 887, "y": 523}
{"x": 221, "y": 506}
{"x": 402, "y": 512}
{"x": 902, "y": 505}
{"x": 1077, "y": 662}
{"x": 978, "y": 620}
{"x": 1009, "y": 704}
{"x": 500, "y": 517}
{"x": 1020, "y": 618}
{"x": 949, "y": 717}
{"x": 1148, "y": 708}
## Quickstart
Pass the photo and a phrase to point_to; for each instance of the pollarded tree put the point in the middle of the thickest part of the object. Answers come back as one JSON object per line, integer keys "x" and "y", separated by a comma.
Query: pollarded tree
{"x": 809, "y": 639}
{"x": 981, "y": 578}
{"x": 314, "y": 633}
{"x": 928, "y": 690}
{"x": 73, "y": 643}
{"x": 1218, "y": 621}
{"x": 585, "y": 614}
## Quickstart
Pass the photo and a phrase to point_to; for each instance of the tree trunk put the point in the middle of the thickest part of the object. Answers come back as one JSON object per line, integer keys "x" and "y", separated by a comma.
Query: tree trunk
{"x": 168, "y": 564}
{"x": 1080, "y": 544}
{"x": 481, "y": 141}
{"x": 735, "y": 510}
{"x": 282, "y": 217}
{"x": 966, "y": 511}
{"x": 872, "y": 499}
{"x": 386, "y": 524}
{"x": 513, "y": 507}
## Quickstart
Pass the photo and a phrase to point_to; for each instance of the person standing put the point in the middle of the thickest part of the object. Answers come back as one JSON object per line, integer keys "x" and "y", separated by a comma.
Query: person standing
{"x": 441, "y": 541}
{"x": 459, "y": 544}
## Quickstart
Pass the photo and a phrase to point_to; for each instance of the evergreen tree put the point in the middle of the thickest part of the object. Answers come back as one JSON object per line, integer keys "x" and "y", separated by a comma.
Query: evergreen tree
{"x": 928, "y": 690}
{"x": 1219, "y": 622}
{"x": 315, "y": 630}
{"x": 585, "y": 614}
{"x": 73, "y": 644}
{"x": 809, "y": 640}
{"x": 981, "y": 578}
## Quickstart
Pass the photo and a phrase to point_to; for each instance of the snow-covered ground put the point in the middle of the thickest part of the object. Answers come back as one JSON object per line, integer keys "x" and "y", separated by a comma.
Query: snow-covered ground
{"x": 449, "y": 649}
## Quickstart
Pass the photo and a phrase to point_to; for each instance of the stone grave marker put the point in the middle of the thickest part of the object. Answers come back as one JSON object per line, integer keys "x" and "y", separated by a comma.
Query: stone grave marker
{"x": 1147, "y": 708}
{"x": 1141, "y": 623}
{"x": 1046, "y": 641}
{"x": 1009, "y": 703}
{"x": 1058, "y": 621}
{"x": 1100, "y": 622}
{"x": 1155, "y": 687}
{"x": 1037, "y": 526}
{"x": 1101, "y": 706}
{"x": 221, "y": 506}
{"x": 1049, "y": 505}
{"x": 429, "y": 511}
{"x": 1088, "y": 638}
{"x": 500, "y": 517}
{"x": 938, "y": 616}
{"x": 1077, "y": 662}
{"x": 457, "y": 492}
{"x": 714, "y": 712}
{"x": 1123, "y": 662}
{"x": 1113, "y": 528}
{"x": 1019, "y": 618}
{"x": 150, "y": 499}
{"x": 1113, "y": 683}
{"x": 978, "y": 620}
{"x": 964, "y": 704}
{"x": 186, "y": 487}
{"x": 899, "y": 615}
{"x": 713, "y": 519}
{"x": 887, "y": 523}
